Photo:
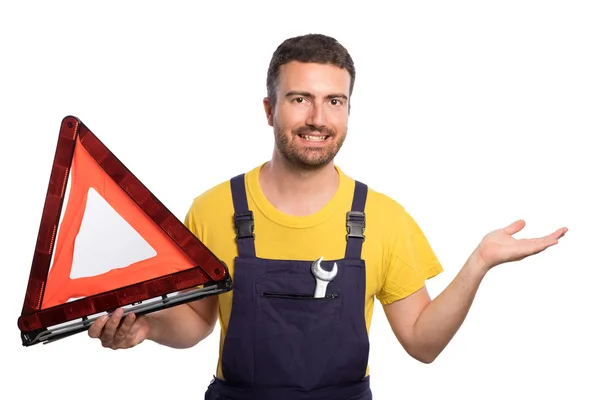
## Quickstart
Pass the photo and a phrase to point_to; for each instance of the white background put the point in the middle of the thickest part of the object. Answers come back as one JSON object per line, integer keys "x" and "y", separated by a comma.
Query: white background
{"x": 471, "y": 114}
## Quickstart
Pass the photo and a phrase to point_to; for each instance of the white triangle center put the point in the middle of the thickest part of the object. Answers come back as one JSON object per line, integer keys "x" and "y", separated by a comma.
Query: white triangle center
{"x": 105, "y": 240}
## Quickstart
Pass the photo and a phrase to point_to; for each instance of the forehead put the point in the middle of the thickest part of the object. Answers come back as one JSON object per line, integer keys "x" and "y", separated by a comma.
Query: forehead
{"x": 318, "y": 79}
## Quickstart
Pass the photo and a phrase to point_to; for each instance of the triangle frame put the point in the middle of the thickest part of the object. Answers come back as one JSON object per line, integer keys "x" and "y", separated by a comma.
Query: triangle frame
{"x": 207, "y": 276}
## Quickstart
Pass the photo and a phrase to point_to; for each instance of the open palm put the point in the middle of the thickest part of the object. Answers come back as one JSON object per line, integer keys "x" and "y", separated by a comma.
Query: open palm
{"x": 500, "y": 246}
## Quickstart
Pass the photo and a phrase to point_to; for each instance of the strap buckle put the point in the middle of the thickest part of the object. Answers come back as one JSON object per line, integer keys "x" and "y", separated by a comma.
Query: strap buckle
{"x": 244, "y": 224}
{"x": 355, "y": 225}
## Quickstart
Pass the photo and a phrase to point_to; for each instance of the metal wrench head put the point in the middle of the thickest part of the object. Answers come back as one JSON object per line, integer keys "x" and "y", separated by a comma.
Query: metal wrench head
{"x": 321, "y": 273}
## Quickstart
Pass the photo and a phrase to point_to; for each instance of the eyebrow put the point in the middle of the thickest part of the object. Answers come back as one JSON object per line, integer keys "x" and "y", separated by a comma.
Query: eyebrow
{"x": 306, "y": 94}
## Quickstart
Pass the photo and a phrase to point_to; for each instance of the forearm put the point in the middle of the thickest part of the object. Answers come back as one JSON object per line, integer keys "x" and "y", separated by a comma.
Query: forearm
{"x": 442, "y": 317}
{"x": 178, "y": 327}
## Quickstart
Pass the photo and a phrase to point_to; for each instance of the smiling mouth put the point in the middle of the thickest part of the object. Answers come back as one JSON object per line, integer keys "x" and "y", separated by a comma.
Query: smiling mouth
{"x": 314, "y": 138}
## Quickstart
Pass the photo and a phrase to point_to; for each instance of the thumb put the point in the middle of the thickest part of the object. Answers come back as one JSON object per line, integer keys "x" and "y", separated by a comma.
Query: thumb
{"x": 514, "y": 227}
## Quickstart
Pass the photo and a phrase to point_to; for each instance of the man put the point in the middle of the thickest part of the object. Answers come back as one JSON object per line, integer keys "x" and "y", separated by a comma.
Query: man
{"x": 298, "y": 210}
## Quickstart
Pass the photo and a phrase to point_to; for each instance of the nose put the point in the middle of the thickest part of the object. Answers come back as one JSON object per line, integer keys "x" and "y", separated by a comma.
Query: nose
{"x": 316, "y": 117}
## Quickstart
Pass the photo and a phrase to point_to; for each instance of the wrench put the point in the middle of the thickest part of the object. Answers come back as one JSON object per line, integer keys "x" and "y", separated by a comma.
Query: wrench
{"x": 322, "y": 276}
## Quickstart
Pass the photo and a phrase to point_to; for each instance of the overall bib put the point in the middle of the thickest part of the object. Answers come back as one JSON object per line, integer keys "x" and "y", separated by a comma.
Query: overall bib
{"x": 283, "y": 343}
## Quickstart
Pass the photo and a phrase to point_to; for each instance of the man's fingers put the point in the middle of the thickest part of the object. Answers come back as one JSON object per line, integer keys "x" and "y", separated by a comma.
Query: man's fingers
{"x": 118, "y": 332}
{"x": 95, "y": 330}
{"x": 136, "y": 335}
{"x": 548, "y": 240}
{"x": 124, "y": 329}
{"x": 514, "y": 227}
{"x": 110, "y": 328}
{"x": 537, "y": 245}
{"x": 557, "y": 234}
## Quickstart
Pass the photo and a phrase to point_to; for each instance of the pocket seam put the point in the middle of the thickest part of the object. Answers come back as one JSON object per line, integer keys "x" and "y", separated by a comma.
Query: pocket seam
{"x": 298, "y": 296}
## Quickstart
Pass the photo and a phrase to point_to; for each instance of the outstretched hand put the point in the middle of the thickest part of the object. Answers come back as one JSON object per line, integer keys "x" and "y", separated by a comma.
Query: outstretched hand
{"x": 499, "y": 246}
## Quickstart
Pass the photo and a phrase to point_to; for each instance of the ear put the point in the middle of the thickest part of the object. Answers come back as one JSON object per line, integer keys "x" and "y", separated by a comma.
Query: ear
{"x": 268, "y": 110}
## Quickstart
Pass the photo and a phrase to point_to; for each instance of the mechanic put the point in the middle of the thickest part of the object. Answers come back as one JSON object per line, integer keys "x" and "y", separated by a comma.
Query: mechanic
{"x": 309, "y": 249}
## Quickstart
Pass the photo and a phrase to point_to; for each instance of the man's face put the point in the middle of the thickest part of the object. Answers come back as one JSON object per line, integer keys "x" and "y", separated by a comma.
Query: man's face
{"x": 310, "y": 117}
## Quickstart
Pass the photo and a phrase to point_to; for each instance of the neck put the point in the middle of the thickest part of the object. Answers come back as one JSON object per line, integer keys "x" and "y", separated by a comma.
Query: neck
{"x": 298, "y": 192}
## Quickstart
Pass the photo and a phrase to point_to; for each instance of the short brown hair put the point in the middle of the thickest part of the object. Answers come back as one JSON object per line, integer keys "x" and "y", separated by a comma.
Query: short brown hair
{"x": 314, "y": 48}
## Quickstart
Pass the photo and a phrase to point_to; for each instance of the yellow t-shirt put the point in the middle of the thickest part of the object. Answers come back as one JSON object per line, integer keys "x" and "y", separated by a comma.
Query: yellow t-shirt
{"x": 397, "y": 255}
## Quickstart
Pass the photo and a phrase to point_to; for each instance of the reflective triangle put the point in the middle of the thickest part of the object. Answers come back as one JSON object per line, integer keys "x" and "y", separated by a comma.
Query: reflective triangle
{"x": 104, "y": 242}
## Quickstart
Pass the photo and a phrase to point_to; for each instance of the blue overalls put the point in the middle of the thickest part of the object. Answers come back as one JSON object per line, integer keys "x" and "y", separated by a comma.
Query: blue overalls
{"x": 283, "y": 343}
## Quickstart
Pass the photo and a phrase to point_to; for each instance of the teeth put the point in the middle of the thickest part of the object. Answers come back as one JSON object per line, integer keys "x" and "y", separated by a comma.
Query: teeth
{"x": 314, "y": 138}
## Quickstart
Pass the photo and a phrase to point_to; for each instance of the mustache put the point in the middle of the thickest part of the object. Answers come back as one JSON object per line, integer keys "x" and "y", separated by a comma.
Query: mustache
{"x": 307, "y": 130}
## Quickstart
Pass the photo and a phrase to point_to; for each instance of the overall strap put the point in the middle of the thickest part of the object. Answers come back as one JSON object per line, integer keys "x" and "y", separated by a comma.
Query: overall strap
{"x": 242, "y": 218}
{"x": 356, "y": 222}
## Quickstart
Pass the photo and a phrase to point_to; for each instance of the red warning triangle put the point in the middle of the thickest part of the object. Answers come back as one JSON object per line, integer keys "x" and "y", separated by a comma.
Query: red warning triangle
{"x": 169, "y": 258}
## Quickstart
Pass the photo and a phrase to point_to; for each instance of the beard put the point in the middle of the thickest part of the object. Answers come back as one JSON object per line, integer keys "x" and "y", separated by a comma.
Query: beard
{"x": 304, "y": 157}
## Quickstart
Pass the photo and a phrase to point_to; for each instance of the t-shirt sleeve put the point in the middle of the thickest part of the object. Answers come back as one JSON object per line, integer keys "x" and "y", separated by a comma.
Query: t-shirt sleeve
{"x": 409, "y": 261}
{"x": 192, "y": 221}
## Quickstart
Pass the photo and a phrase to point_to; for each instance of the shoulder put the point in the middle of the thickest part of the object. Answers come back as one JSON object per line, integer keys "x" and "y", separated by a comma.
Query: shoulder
{"x": 210, "y": 206}
{"x": 393, "y": 224}
{"x": 217, "y": 196}
{"x": 385, "y": 213}
{"x": 377, "y": 200}
{"x": 205, "y": 207}
{"x": 391, "y": 217}
{"x": 408, "y": 259}
{"x": 213, "y": 204}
